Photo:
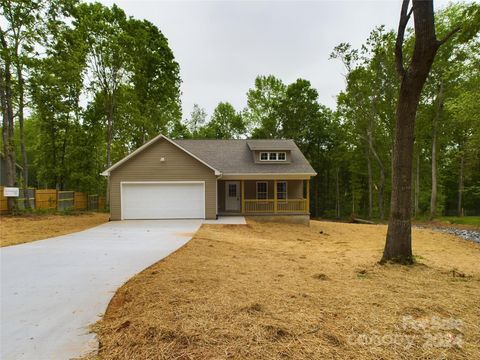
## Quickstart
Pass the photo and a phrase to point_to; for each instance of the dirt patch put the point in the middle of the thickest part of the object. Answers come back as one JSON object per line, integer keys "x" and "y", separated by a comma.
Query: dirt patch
{"x": 257, "y": 292}
{"x": 18, "y": 230}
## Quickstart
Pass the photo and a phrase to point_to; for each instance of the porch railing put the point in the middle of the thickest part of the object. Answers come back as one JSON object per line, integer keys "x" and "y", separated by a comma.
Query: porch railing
{"x": 292, "y": 205}
{"x": 268, "y": 206}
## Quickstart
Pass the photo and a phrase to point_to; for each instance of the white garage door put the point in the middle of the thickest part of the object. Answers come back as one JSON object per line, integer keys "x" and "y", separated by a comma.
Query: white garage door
{"x": 168, "y": 200}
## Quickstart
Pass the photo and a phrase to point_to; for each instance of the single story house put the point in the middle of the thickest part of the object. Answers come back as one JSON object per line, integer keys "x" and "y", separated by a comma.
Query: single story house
{"x": 181, "y": 179}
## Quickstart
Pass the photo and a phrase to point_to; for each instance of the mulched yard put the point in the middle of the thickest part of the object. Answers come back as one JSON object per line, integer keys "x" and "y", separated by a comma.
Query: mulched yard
{"x": 21, "y": 229}
{"x": 279, "y": 291}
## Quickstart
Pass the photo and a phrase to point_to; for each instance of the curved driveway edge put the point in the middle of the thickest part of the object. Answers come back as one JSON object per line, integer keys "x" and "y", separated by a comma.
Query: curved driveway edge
{"x": 53, "y": 289}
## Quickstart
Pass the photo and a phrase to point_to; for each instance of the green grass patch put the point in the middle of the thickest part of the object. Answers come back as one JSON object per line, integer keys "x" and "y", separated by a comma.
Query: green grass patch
{"x": 464, "y": 220}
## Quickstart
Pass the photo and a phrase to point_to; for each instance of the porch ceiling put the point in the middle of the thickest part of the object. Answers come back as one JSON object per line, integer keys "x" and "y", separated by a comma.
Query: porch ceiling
{"x": 266, "y": 177}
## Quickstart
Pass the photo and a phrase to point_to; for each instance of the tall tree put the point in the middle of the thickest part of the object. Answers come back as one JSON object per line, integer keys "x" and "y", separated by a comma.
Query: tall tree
{"x": 153, "y": 75}
{"x": 198, "y": 118}
{"x": 398, "y": 246}
{"x": 263, "y": 102}
{"x": 103, "y": 30}
{"x": 22, "y": 34}
{"x": 226, "y": 123}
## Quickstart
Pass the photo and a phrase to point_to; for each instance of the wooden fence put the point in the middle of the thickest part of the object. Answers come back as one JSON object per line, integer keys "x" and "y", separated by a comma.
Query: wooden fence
{"x": 30, "y": 195}
{"x": 46, "y": 199}
{"x": 80, "y": 201}
{"x": 51, "y": 199}
{"x": 3, "y": 202}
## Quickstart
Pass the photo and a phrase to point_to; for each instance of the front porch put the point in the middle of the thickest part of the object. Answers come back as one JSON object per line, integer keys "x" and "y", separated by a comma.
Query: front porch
{"x": 263, "y": 197}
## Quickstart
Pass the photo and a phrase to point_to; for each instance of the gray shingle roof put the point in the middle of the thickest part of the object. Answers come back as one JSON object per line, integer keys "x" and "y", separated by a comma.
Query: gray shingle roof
{"x": 235, "y": 156}
{"x": 271, "y": 144}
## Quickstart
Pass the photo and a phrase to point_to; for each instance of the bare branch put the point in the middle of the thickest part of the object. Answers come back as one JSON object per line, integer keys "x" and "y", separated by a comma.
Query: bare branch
{"x": 402, "y": 25}
{"x": 409, "y": 13}
{"x": 448, "y": 36}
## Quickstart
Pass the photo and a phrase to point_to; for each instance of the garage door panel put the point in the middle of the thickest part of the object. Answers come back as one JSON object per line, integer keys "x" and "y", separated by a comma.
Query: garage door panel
{"x": 163, "y": 200}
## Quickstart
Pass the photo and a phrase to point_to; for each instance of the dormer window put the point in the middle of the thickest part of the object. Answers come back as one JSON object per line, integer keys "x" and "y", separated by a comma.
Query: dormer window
{"x": 273, "y": 156}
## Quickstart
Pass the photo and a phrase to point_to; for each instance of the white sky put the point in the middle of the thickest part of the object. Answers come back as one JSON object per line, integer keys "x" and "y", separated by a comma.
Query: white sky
{"x": 222, "y": 46}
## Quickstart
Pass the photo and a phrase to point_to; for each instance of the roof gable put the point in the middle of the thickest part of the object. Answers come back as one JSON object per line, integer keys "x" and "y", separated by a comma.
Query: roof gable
{"x": 148, "y": 144}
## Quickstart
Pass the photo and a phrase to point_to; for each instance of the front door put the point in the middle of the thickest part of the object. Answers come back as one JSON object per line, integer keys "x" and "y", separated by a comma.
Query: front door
{"x": 232, "y": 195}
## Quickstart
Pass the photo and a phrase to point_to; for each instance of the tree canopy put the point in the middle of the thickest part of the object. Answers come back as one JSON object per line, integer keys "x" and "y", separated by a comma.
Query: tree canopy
{"x": 83, "y": 84}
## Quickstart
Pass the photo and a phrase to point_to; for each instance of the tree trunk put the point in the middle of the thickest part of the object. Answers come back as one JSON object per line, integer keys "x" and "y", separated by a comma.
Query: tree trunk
{"x": 436, "y": 118}
{"x": 110, "y": 120}
{"x": 21, "y": 105}
{"x": 370, "y": 184}
{"x": 337, "y": 193}
{"x": 353, "y": 202}
{"x": 316, "y": 202}
{"x": 417, "y": 186}
{"x": 382, "y": 174}
{"x": 460, "y": 186}
{"x": 8, "y": 123}
{"x": 398, "y": 245}
{"x": 109, "y": 138}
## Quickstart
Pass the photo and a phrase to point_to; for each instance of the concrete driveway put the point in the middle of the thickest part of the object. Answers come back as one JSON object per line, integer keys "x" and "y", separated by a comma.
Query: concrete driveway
{"x": 52, "y": 290}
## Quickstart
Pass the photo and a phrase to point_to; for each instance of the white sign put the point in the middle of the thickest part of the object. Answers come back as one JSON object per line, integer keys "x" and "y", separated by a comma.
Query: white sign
{"x": 10, "y": 191}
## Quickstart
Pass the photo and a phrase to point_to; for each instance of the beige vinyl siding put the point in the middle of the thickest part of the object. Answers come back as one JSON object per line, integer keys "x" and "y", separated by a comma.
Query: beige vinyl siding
{"x": 221, "y": 195}
{"x": 178, "y": 166}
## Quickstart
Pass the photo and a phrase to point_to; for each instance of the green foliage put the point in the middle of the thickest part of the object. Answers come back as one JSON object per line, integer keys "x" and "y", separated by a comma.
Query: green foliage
{"x": 263, "y": 103}
{"x": 106, "y": 83}
{"x": 198, "y": 119}
{"x": 226, "y": 123}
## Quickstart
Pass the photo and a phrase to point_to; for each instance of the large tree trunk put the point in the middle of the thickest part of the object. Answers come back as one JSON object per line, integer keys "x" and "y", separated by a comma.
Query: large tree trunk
{"x": 21, "y": 105}
{"x": 460, "y": 185}
{"x": 436, "y": 118}
{"x": 398, "y": 245}
{"x": 8, "y": 122}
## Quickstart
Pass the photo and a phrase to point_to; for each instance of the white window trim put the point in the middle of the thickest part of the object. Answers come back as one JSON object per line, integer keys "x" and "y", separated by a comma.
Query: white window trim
{"x": 286, "y": 190}
{"x": 268, "y": 156}
{"x": 266, "y": 189}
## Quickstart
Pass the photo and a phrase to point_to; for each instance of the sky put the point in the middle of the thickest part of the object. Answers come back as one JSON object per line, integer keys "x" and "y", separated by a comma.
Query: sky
{"x": 222, "y": 46}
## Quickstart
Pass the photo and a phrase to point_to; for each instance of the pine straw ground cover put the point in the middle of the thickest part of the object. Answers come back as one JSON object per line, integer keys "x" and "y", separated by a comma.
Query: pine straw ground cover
{"x": 278, "y": 291}
{"x": 21, "y": 229}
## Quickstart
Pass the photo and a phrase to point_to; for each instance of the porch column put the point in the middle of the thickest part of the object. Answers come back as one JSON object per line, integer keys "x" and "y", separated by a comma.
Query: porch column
{"x": 275, "y": 196}
{"x": 243, "y": 196}
{"x": 308, "y": 196}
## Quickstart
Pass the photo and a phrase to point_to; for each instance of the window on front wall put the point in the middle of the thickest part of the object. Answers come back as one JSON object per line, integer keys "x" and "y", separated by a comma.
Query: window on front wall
{"x": 262, "y": 190}
{"x": 282, "y": 190}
